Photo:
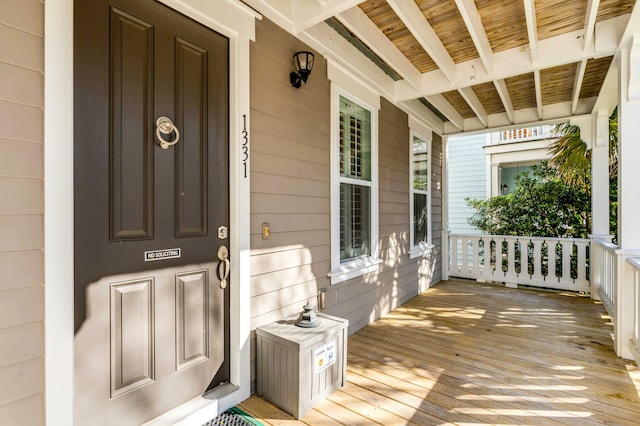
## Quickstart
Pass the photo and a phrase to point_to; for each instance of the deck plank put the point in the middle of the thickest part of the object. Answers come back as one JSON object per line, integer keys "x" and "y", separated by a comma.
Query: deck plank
{"x": 472, "y": 354}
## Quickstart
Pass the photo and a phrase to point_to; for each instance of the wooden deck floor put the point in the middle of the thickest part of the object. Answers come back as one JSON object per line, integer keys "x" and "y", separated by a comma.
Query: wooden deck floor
{"x": 475, "y": 354}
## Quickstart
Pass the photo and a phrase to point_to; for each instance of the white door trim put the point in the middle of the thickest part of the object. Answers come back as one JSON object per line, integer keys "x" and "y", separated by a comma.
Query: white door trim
{"x": 230, "y": 18}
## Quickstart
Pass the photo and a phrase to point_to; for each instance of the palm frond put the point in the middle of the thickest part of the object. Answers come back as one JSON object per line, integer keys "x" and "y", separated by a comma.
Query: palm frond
{"x": 570, "y": 157}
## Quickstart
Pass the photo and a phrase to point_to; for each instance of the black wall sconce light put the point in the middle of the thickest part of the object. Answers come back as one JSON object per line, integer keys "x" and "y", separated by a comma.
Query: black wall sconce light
{"x": 303, "y": 62}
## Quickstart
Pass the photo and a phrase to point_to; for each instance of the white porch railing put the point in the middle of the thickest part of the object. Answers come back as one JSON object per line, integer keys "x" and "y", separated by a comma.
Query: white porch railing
{"x": 557, "y": 263}
{"x": 525, "y": 134}
{"x": 634, "y": 344}
{"x": 605, "y": 270}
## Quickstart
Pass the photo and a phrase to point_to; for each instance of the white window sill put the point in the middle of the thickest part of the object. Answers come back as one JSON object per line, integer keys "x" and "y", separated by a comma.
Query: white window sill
{"x": 354, "y": 268}
{"x": 421, "y": 250}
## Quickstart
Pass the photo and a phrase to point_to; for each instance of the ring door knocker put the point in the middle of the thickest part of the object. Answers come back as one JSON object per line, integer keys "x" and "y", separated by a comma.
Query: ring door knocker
{"x": 223, "y": 256}
{"x": 164, "y": 126}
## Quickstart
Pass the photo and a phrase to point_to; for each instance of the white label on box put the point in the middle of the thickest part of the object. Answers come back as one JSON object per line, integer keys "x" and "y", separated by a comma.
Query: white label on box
{"x": 324, "y": 356}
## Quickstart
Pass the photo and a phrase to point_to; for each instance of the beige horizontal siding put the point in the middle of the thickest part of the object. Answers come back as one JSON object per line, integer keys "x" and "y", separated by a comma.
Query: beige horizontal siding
{"x": 21, "y": 269}
{"x": 21, "y": 212}
{"x": 31, "y": 157}
{"x": 21, "y": 85}
{"x": 436, "y": 209}
{"x": 21, "y": 380}
{"x": 289, "y": 180}
{"x": 29, "y": 411}
{"x": 24, "y": 15}
{"x": 364, "y": 299}
{"x": 21, "y": 232}
{"x": 21, "y": 122}
{"x": 25, "y": 195}
{"x": 24, "y": 341}
{"x": 25, "y": 50}
{"x": 290, "y": 190}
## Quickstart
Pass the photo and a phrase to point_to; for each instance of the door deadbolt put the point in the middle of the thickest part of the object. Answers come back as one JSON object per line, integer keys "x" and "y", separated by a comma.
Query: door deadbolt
{"x": 223, "y": 232}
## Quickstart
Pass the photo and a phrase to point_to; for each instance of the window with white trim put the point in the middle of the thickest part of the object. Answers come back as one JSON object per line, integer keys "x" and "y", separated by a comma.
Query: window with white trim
{"x": 420, "y": 197}
{"x": 354, "y": 189}
{"x": 355, "y": 180}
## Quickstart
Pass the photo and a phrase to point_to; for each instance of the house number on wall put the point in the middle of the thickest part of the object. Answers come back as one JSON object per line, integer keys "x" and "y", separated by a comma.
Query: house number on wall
{"x": 245, "y": 144}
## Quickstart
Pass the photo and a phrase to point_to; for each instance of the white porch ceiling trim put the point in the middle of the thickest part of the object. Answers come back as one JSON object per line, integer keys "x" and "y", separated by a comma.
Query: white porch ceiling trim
{"x": 555, "y": 51}
{"x": 472, "y": 20}
{"x": 439, "y": 101}
{"x": 420, "y": 114}
{"x": 538, "y": 88}
{"x": 577, "y": 85}
{"x": 360, "y": 24}
{"x": 306, "y": 14}
{"x": 305, "y": 19}
{"x": 418, "y": 25}
{"x": 503, "y": 92}
{"x": 327, "y": 42}
{"x": 470, "y": 97}
{"x": 590, "y": 23}
{"x": 532, "y": 29}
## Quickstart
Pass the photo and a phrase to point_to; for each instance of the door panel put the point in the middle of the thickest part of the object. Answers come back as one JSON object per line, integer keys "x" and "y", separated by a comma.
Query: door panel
{"x": 191, "y": 160}
{"x": 151, "y": 331}
{"x": 192, "y": 318}
{"x": 131, "y": 81}
{"x": 131, "y": 324}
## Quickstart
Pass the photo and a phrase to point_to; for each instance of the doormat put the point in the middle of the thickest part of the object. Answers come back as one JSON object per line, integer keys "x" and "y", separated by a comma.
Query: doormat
{"x": 233, "y": 417}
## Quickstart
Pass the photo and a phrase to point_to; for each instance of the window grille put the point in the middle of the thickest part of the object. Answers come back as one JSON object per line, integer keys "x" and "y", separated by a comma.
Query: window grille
{"x": 355, "y": 180}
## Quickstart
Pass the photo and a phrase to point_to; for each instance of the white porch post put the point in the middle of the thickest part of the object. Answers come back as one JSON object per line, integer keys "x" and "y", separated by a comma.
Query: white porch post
{"x": 599, "y": 191}
{"x": 445, "y": 209}
{"x": 600, "y": 174}
{"x": 628, "y": 178}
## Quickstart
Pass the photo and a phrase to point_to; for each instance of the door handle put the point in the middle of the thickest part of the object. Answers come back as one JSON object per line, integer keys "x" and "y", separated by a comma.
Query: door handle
{"x": 164, "y": 126}
{"x": 224, "y": 266}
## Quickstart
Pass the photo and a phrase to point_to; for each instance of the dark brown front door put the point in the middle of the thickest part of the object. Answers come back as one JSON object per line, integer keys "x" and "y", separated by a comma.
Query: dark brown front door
{"x": 151, "y": 311}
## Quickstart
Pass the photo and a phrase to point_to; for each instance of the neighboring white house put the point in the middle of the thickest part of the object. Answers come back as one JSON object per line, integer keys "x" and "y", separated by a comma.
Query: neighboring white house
{"x": 467, "y": 177}
{"x": 484, "y": 165}
{"x": 511, "y": 152}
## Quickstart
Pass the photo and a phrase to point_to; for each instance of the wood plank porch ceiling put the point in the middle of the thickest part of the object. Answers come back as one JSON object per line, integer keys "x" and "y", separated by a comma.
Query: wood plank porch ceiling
{"x": 463, "y": 38}
{"x": 468, "y": 353}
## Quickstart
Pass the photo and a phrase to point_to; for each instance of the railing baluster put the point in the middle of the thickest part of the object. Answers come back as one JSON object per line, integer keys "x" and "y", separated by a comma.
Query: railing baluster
{"x": 582, "y": 261}
{"x": 567, "y": 248}
{"x": 464, "y": 241}
{"x": 511, "y": 275}
{"x": 453, "y": 253}
{"x": 552, "y": 255}
{"x": 537, "y": 260}
{"x": 475, "y": 263}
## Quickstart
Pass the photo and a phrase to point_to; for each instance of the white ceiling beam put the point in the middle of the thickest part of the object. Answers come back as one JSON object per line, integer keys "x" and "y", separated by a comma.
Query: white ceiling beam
{"x": 469, "y": 95}
{"x": 414, "y": 20}
{"x": 555, "y": 51}
{"x": 590, "y": 23}
{"x": 538, "y": 88}
{"x": 532, "y": 28}
{"x": 503, "y": 92}
{"x": 608, "y": 96}
{"x": 329, "y": 44}
{"x": 472, "y": 20}
{"x": 359, "y": 23}
{"x": 442, "y": 105}
{"x": 577, "y": 85}
{"x": 416, "y": 109}
{"x": 307, "y": 13}
{"x": 525, "y": 118}
{"x": 279, "y": 11}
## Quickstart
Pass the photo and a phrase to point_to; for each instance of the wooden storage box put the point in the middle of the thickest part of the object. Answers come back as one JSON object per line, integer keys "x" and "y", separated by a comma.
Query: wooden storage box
{"x": 297, "y": 367}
